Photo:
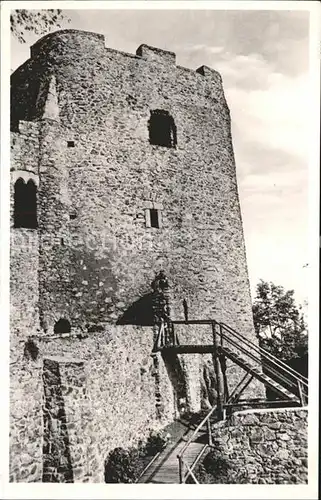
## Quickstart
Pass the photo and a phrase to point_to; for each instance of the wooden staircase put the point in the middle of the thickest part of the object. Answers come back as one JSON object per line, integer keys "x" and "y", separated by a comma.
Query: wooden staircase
{"x": 164, "y": 470}
{"x": 290, "y": 387}
{"x": 240, "y": 361}
{"x": 285, "y": 382}
{"x": 259, "y": 375}
{"x": 190, "y": 446}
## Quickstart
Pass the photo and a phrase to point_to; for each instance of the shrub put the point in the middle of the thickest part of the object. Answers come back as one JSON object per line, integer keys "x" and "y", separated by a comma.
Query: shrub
{"x": 213, "y": 470}
{"x": 125, "y": 466}
{"x": 215, "y": 464}
{"x": 122, "y": 466}
{"x": 156, "y": 442}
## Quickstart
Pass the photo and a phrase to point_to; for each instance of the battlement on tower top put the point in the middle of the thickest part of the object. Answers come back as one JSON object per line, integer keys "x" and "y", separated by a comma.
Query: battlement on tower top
{"x": 155, "y": 54}
{"x": 69, "y": 39}
{"x": 77, "y": 44}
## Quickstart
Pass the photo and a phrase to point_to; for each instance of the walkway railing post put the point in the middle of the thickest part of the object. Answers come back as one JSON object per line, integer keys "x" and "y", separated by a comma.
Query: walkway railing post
{"x": 181, "y": 470}
{"x": 221, "y": 335}
{"x": 302, "y": 402}
{"x": 173, "y": 333}
{"x": 209, "y": 432}
{"x": 216, "y": 334}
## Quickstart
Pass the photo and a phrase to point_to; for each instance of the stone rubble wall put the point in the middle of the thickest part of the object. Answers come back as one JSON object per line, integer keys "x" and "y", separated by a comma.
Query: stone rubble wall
{"x": 265, "y": 446}
{"x": 97, "y": 264}
{"x": 26, "y": 415}
{"x": 24, "y": 289}
{"x": 104, "y": 100}
{"x": 93, "y": 258}
{"x": 24, "y": 243}
{"x": 98, "y": 393}
{"x": 192, "y": 368}
{"x": 57, "y": 466}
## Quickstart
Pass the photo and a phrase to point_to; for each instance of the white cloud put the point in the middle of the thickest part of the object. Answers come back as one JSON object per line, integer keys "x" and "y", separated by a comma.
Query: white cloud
{"x": 201, "y": 48}
{"x": 275, "y": 117}
{"x": 275, "y": 180}
{"x": 267, "y": 106}
{"x": 269, "y": 112}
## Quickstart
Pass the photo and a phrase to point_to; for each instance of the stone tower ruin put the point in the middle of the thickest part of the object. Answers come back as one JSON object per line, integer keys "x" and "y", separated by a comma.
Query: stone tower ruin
{"x": 122, "y": 166}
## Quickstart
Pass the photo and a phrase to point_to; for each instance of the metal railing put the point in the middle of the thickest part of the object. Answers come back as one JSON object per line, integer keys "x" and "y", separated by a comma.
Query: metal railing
{"x": 264, "y": 352}
{"x": 185, "y": 469}
{"x": 274, "y": 367}
{"x": 147, "y": 467}
{"x": 258, "y": 362}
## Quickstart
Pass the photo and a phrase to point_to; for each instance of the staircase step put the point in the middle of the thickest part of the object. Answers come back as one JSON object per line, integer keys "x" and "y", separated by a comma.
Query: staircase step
{"x": 165, "y": 468}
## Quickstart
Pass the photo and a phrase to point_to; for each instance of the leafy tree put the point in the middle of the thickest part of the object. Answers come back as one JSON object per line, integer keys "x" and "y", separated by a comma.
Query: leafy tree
{"x": 35, "y": 21}
{"x": 279, "y": 323}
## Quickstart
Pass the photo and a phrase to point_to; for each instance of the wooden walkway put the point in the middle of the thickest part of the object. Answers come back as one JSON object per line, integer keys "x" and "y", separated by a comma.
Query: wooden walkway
{"x": 165, "y": 468}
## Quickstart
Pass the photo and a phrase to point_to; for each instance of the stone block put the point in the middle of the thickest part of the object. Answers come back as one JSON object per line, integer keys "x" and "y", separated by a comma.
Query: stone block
{"x": 247, "y": 419}
{"x": 256, "y": 435}
{"x": 269, "y": 434}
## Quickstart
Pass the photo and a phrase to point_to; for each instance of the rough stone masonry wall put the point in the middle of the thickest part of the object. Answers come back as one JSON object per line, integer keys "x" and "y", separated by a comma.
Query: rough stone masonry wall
{"x": 112, "y": 174}
{"x": 265, "y": 446}
{"x": 113, "y": 170}
{"x": 99, "y": 393}
{"x": 96, "y": 255}
{"x": 25, "y": 373}
{"x": 24, "y": 243}
{"x": 83, "y": 397}
{"x": 26, "y": 417}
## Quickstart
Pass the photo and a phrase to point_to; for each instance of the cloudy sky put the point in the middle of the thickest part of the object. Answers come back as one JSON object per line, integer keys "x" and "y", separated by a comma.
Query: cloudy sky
{"x": 263, "y": 59}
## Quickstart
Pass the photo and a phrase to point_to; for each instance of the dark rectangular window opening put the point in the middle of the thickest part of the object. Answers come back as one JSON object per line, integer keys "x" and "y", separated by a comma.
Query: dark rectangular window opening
{"x": 154, "y": 218}
{"x": 162, "y": 129}
{"x": 70, "y": 144}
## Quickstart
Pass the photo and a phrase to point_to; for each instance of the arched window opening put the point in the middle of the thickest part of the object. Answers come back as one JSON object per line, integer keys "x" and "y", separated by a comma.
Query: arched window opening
{"x": 62, "y": 326}
{"x": 162, "y": 129}
{"x": 25, "y": 204}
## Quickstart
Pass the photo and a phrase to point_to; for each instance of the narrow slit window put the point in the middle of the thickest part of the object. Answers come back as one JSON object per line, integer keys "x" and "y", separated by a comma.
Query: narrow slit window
{"x": 154, "y": 218}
